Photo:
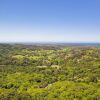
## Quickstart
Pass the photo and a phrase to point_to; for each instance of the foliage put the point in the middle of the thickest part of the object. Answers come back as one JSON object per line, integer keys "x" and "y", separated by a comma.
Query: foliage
{"x": 31, "y": 72}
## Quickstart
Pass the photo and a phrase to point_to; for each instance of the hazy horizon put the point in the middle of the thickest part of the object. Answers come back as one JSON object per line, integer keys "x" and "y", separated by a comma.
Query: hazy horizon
{"x": 33, "y": 21}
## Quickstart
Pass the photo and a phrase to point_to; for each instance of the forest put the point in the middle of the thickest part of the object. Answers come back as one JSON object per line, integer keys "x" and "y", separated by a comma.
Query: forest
{"x": 49, "y": 72}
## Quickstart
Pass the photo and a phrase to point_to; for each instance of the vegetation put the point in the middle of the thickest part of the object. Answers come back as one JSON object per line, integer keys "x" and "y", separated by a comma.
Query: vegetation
{"x": 49, "y": 72}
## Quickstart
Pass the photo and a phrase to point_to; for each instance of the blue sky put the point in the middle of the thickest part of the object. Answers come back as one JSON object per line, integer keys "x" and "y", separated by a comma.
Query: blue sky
{"x": 49, "y": 20}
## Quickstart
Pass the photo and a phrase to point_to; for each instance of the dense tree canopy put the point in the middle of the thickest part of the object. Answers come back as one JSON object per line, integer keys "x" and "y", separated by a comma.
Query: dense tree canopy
{"x": 49, "y": 72}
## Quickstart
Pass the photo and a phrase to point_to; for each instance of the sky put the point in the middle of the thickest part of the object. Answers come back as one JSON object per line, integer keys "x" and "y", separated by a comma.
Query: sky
{"x": 50, "y": 21}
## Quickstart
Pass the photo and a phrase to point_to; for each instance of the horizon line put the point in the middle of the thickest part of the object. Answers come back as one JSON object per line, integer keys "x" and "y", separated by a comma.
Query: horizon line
{"x": 46, "y": 42}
